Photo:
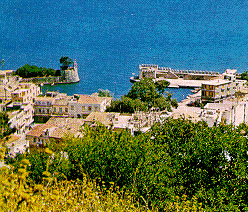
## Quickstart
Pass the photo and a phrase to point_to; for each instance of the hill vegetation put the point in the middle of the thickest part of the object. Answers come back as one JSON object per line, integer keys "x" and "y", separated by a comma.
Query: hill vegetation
{"x": 178, "y": 165}
{"x": 5, "y": 129}
{"x": 28, "y": 71}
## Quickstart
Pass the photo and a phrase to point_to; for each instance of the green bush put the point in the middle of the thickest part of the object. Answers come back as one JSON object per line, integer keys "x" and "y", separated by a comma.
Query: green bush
{"x": 28, "y": 71}
{"x": 176, "y": 164}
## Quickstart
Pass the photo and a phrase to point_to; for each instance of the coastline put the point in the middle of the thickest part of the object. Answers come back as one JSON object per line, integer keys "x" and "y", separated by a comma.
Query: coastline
{"x": 48, "y": 80}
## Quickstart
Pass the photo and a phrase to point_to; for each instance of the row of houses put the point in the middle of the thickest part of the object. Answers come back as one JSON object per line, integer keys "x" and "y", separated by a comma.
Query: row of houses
{"x": 57, "y": 128}
{"x": 16, "y": 99}
{"x": 55, "y": 104}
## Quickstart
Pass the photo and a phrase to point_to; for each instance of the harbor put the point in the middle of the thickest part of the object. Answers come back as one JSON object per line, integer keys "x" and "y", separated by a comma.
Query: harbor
{"x": 176, "y": 78}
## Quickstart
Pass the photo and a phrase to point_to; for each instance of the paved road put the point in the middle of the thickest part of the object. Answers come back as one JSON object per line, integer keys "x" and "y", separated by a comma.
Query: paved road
{"x": 189, "y": 112}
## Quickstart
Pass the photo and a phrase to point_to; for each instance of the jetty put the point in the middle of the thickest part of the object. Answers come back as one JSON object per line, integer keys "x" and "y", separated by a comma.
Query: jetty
{"x": 177, "y": 78}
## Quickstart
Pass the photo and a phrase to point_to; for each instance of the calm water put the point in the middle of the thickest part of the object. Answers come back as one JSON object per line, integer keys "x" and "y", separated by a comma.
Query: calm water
{"x": 110, "y": 38}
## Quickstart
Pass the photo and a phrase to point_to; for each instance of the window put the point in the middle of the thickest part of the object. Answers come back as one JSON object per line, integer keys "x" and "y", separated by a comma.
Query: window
{"x": 96, "y": 108}
{"x": 72, "y": 107}
{"x": 66, "y": 110}
{"x": 83, "y": 108}
{"x": 89, "y": 108}
{"x": 55, "y": 109}
{"x": 60, "y": 110}
{"x": 212, "y": 94}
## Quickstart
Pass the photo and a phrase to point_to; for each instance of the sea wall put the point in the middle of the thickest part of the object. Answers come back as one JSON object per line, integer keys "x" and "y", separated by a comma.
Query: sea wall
{"x": 43, "y": 80}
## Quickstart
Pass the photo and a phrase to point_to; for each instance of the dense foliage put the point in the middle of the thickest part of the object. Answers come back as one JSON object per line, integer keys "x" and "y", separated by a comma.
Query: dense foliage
{"x": 177, "y": 161}
{"x": 17, "y": 193}
{"x": 28, "y": 71}
{"x": 144, "y": 95}
{"x": 5, "y": 130}
{"x": 127, "y": 105}
{"x": 65, "y": 62}
{"x": 244, "y": 75}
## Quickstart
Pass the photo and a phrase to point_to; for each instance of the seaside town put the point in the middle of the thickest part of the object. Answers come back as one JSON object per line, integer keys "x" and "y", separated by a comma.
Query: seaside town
{"x": 52, "y": 138}
{"x": 39, "y": 118}
{"x": 123, "y": 106}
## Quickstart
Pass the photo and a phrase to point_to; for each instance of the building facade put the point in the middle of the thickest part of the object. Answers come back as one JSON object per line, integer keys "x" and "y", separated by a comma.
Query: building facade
{"x": 25, "y": 93}
{"x": 215, "y": 91}
{"x": 21, "y": 119}
{"x": 82, "y": 105}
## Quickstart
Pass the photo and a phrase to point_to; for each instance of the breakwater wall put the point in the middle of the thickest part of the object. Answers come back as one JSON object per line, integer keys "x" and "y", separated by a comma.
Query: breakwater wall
{"x": 154, "y": 72}
{"x": 156, "y": 67}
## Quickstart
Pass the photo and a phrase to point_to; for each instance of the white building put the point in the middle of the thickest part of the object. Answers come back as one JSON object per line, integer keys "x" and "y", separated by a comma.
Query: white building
{"x": 228, "y": 112}
{"x": 43, "y": 105}
{"x": 21, "y": 119}
{"x": 25, "y": 93}
{"x": 83, "y": 105}
{"x": 17, "y": 144}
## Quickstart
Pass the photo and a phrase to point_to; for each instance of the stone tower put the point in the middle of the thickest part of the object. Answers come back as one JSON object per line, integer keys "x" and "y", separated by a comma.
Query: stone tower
{"x": 71, "y": 74}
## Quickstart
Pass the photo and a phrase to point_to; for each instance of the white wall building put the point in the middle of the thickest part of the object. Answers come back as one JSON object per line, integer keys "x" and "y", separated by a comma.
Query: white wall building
{"x": 229, "y": 112}
{"x": 43, "y": 105}
{"x": 21, "y": 119}
{"x": 83, "y": 105}
{"x": 25, "y": 93}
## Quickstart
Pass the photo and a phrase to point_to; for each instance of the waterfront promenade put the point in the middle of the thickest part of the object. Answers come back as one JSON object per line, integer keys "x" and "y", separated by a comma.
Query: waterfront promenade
{"x": 181, "y": 83}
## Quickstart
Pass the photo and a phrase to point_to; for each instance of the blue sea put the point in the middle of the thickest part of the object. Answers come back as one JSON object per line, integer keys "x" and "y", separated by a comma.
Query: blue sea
{"x": 110, "y": 38}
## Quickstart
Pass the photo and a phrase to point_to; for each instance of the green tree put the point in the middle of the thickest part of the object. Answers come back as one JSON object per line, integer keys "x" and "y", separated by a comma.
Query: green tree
{"x": 127, "y": 105}
{"x": 244, "y": 75}
{"x": 178, "y": 162}
{"x": 161, "y": 86}
{"x": 2, "y": 63}
{"x": 145, "y": 90}
{"x": 104, "y": 93}
{"x": 5, "y": 129}
{"x": 65, "y": 62}
{"x": 28, "y": 71}
{"x": 143, "y": 96}
{"x": 152, "y": 94}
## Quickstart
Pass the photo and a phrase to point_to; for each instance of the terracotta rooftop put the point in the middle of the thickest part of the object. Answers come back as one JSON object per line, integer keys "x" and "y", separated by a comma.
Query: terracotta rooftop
{"x": 104, "y": 118}
{"x": 85, "y": 99}
{"x": 61, "y": 102}
{"x": 37, "y": 130}
{"x": 44, "y": 98}
{"x": 13, "y": 138}
{"x": 65, "y": 122}
{"x": 58, "y": 127}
